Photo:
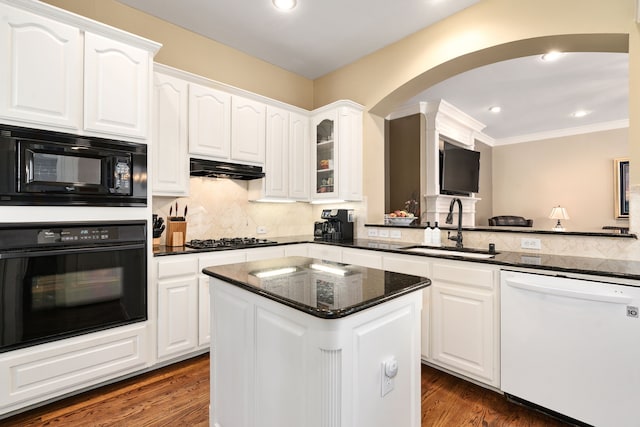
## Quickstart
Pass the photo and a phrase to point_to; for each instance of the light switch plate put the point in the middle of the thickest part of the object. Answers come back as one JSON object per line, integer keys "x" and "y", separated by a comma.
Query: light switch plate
{"x": 396, "y": 234}
{"x": 372, "y": 232}
{"x": 383, "y": 233}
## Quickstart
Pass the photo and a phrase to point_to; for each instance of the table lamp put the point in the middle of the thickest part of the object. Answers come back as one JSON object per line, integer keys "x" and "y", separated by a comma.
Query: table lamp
{"x": 558, "y": 213}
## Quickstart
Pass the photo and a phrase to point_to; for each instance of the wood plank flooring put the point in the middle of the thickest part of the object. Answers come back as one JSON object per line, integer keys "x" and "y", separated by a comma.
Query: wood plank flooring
{"x": 178, "y": 395}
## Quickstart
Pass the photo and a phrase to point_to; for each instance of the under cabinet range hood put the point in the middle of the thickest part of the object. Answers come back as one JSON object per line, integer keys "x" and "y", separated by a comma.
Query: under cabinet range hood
{"x": 215, "y": 169}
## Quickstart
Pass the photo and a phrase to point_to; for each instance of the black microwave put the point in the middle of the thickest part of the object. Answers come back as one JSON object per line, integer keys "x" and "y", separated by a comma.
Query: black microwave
{"x": 40, "y": 167}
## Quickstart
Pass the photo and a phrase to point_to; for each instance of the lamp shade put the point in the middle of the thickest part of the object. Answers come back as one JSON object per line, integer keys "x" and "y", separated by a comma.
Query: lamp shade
{"x": 559, "y": 213}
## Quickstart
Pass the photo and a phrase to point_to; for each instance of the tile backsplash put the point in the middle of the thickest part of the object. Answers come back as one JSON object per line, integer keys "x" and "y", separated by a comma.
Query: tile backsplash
{"x": 219, "y": 208}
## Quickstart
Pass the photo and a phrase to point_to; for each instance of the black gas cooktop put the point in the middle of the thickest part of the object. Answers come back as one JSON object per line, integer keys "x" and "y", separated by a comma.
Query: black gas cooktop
{"x": 228, "y": 243}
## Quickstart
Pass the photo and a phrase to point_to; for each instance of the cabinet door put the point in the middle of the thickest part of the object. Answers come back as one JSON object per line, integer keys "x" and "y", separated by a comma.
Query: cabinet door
{"x": 177, "y": 316}
{"x": 464, "y": 321}
{"x": 40, "y": 70}
{"x": 116, "y": 87}
{"x": 325, "y": 162}
{"x": 350, "y": 153}
{"x": 299, "y": 143}
{"x": 170, "y": 151}
{"x": 247, "y": 130}
{"x": 209, "y": 122}
{"x": 276, "y": 165}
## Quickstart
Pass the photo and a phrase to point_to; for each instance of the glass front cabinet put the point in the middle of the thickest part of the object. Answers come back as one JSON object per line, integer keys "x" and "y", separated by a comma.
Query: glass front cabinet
{"x": 337, "y": 152}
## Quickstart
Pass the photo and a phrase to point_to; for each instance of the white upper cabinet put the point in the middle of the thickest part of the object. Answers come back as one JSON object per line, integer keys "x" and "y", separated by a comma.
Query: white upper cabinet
{"x": 248, "y": 130}
{"x": 209, "y": 122}
{"x": 286, "y": 160}
{"x": 61, "y": 71}
{"x": 337, "y": 152}
{"x": 40, "y": 70}
{"x": 116, "y": 90}
{"x": 277, "y": 153}
{"x": 299, "y": 147}
{"x": 170, "y": 175}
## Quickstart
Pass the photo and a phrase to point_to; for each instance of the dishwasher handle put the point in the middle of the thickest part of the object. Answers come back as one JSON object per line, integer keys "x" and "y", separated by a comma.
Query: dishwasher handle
{"x": 569, "y": 293}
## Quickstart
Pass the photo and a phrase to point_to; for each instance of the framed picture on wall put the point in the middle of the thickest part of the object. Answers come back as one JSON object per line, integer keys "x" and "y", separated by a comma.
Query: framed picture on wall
{"x": 621, "y": 190}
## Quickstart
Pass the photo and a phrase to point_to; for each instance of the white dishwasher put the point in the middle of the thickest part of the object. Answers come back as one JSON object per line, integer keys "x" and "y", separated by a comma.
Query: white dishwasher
{"x": 572, "y": 346}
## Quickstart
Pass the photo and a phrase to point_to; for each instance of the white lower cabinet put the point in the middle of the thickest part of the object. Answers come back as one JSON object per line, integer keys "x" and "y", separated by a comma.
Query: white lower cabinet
{"x": 51, "y": 370}
{"x": 363, "y": 257}
{"x": 177, "y": 305}
{"x": 465, "y": 320}
{"x": 325, "y": 252}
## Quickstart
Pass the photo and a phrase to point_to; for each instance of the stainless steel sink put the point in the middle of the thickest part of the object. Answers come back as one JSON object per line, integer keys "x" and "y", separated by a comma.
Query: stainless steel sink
{"x": 464, "y": 253}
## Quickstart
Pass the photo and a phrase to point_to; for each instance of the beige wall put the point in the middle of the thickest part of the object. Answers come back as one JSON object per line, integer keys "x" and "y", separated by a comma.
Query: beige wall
{"x": 190, "y": 52}
{"x": 487, "y": 32}
{"x": 575, "y": 172}
{"x": 491, "y": 30}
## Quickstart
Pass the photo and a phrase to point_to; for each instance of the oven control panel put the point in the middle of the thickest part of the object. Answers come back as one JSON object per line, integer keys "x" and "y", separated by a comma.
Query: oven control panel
{"x": 73, "y": 235}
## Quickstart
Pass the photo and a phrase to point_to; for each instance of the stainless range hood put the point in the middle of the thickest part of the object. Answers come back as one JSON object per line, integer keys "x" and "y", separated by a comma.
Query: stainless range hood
{"x": 215, "y": 169}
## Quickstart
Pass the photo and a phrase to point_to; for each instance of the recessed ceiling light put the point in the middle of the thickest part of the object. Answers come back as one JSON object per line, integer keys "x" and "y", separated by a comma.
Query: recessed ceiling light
{"x": 551, "y": 56}
{"x": 495, "y": 109}
{"x": 579, "y": 113}
{"x": 284, "y": 4}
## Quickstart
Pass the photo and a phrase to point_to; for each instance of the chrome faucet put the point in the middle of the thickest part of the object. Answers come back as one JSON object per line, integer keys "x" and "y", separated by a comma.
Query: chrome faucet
{"x": 449, "y": 220}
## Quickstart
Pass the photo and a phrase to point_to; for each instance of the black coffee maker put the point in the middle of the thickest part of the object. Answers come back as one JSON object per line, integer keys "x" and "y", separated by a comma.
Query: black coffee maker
{"x": 337, "y": 225}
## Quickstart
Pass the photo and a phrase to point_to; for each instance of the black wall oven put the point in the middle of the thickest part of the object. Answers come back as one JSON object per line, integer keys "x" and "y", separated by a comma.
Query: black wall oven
{"x": 65, "y": 279}
{"x": 51, "y": 168}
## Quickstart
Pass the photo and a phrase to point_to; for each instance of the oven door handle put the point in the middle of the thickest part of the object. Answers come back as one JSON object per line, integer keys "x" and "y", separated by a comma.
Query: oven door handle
{"x": 69, "y": 251}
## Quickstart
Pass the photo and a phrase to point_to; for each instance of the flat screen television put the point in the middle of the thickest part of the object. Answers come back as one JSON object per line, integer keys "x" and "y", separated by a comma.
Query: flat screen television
{"x": 459, "y": 170}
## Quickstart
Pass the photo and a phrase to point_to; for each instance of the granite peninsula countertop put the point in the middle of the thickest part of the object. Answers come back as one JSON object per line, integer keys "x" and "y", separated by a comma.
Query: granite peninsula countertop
{"x": 625, "y": 269}
{"x": 324, "y": 289}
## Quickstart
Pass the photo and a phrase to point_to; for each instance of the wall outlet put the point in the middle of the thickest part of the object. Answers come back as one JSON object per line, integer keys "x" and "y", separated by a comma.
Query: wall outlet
{"x": 526, "y": 243}
{"x": 383, "y": 233}
{"x": 261, "y": 229}
{"x": 396, "y": 234}
{"x": 372, "y": 232}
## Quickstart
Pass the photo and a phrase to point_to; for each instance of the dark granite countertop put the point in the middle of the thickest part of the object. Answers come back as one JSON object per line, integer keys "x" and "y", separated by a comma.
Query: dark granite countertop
{"x": 320, "y": 288}
{"x": 625, "y": 269}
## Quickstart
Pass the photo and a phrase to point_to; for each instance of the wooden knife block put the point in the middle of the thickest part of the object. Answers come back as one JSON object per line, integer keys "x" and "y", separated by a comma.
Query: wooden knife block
{"x": 176, "y": 232}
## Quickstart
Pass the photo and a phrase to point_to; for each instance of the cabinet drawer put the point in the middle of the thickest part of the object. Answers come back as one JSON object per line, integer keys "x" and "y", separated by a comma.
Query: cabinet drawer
{"x": 221, "y": 258}
{"x": 180, "y": 266}
{"x": 43, "y": 372}
{"x": 463, "y": 274}
{"x": 371, "y": 259}
{"x": 265, "y": 253}
{"x": 325, "y": 252}
{"x": 406, "y": 264}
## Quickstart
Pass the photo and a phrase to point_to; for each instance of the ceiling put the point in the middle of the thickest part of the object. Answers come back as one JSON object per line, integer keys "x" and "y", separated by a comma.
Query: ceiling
{"x": 320, "y": 36}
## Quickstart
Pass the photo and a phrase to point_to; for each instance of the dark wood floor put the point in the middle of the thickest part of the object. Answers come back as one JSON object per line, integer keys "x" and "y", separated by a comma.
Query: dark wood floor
{"x": 178, "y": 395}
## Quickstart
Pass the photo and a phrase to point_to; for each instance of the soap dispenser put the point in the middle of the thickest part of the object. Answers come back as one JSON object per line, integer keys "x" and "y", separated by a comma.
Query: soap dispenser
{"x": 436, "y": 238}
{"x": 428, "y": 235}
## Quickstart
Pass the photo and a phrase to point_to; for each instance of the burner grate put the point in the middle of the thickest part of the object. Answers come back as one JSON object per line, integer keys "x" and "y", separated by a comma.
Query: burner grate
{"x": 228, "y": 242}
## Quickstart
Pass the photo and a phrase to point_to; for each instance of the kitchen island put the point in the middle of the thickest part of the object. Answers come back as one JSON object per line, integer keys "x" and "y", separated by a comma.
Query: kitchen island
{"x": 300, "y": 341}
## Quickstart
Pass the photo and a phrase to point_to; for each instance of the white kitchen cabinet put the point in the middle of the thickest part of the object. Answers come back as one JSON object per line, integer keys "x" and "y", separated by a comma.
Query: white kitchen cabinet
{"x": 276, "y": 165}
{"x": 40, "y": 70}
{"x": 204, "y": 306}
{"x": 116, "y": 87}
{"x": 286, "y": 158}
{"x": 248, "y": 130}
{"x": 337, "y": 153}
{"x": 257, "y": 254}
{"x": 418, "y": 266}
{"x": 298, "y": 249}
{"x": 209, "y": 122}
{"x": 36, "y": 374}
{"x": 363, "y": 257}
{"x": 299, "y": 147}
{"x": 325, "y": 252}
{"x": 177, "y": 306}
{"x": 465, "y": 320}
{"x": 170, "y": 174}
